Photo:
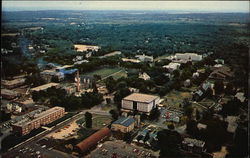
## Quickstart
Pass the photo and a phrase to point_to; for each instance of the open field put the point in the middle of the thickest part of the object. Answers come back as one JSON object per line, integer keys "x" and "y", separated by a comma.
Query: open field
{"x": 174, "y": 98}
{"x": 82, "y": 48}
{"x": 106, "y": 72}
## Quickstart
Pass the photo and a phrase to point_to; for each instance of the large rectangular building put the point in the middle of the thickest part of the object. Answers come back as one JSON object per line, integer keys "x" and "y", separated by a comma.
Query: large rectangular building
{"x": 124, "y": 125}
{"x": 141, "y": 102}
{"x": 188, "y": 56}
{"x": 24, "y": 127}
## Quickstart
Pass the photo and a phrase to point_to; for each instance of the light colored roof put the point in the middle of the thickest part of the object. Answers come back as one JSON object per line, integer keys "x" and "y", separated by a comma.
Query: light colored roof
{"x": 195, "y": 142}
{"x": 45, "y": 86}
{"x": 139, "y": 97}
{"x": 12, "y": 82}
{"x": 38, "y": 116}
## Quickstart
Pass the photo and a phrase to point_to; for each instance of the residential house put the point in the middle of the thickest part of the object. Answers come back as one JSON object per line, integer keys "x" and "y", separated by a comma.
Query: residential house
{"x": 172, "y": 66}
{"x": 145, "y": 58}
{"x": 221, "y": 73}
{"x": 144, "y": 76}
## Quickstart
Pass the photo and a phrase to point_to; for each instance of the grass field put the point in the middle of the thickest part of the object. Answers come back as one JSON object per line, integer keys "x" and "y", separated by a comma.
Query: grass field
{"x": 175, "y": 98}
{"x": 116, "y": 72}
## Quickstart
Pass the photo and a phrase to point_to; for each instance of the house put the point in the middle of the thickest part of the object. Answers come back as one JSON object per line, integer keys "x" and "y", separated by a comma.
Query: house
{"x": 232, "y": 123}
{"x": 140, "y": 102}
{"x": 240, "y": 96}
{"x": 201, "y": 126}
{"x": 221, "y": 73}
{"x": 204, "y": 87}
{"x": 195, "y": 75}
{"x": 144, "y": 76}
{"x": 10, "y": 84}
{"x": 172, "y": 66}
{"x": 193, "y": 145}
{"x": 93, "y": 140}
{"x": 123, "y": 124}
{"x": 145, "y": 58}
{"x": 188, "y": 56}
{"x": 187, "y": 83}
{"x": 220, "y": 61}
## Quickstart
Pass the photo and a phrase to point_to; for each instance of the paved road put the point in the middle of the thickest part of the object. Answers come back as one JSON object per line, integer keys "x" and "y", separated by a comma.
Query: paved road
{"x": 39, "y": 136}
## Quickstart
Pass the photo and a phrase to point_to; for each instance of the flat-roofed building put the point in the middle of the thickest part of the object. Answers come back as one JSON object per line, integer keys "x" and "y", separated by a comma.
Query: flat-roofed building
{"x": 44, "y": 87}
{"x": 24, "y": 126}
{"x": 13, "y": 83}
{"x": 123, "y": 124}
{"x": 172, "y": 66}
{"x": 9, "y": 94}
{"x": 145, "y": 58}
{"x": 140, "y": 102}
{"x": 188, "y": 56}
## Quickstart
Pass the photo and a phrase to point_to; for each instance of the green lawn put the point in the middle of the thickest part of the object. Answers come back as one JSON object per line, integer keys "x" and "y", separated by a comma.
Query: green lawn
{"x": 116, "y": 72}
{"x": 175, "y": 98}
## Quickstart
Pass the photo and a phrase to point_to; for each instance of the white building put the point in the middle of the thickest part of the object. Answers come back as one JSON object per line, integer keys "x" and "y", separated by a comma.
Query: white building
{"x": 140, "y": 102}
{"x": 188, "y": 56}
{"x": 145, "y": 58}
{"x": 144, "y": 76}
{"x": 172, "y": 66}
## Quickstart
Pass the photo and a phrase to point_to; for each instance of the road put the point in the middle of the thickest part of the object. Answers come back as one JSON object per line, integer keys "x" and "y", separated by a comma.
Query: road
{"x": 40, "y": 135}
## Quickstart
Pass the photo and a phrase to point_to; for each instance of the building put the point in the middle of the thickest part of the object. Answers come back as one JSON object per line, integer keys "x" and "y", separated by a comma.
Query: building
{"x": 172, "y": 66}
{"x": 111, "y": 54}
{"x": 187, "y": 83}
{"x": 145, "y": 58}
{"x": 221, "y": 73}
{"x": 232, "y": 123}
{"x": 10, "y": 84}
{"x": 188, "y": 56}
{"x": 193, "y": 145}
{"x": 204, "y": 87}
{"x": 144, "y": 76}
{"x": 44, "y": 87}
{"x": 83, "y": 48}
{"x": 93, "y": 140}
{"x": 9, "y": 94}
{"x": 220, "y": 61}
{"x": 124, "y": 125}
{"x": 47, "y": 75}
{"x": 140, "y": 102}
{"x": 131, "y": 60}
{"x": 25, "y": 126}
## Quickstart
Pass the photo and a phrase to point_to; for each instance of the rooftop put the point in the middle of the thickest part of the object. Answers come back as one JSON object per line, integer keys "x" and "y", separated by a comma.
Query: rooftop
{"x": 12, "y": 82}
{"x": 45, "y": 86}
{"x": 37, "y": 116}
{"x": 195, "y": 142}
{"x": 8, "y": 92}
{"x": 124, "y": 121}
{"x": 139, "y": 97}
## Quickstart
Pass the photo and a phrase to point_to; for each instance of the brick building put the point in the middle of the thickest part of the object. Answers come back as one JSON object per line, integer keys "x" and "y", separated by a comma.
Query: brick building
{"x": 24, "y": 127}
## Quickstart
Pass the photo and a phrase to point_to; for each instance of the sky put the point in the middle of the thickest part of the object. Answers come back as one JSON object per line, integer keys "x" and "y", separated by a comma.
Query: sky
{"x": 207, "y": 6}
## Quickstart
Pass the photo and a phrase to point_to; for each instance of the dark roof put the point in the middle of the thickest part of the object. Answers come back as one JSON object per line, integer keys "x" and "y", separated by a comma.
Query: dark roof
{"x": 93, "y": 139}
{"x": 124, "y": 121}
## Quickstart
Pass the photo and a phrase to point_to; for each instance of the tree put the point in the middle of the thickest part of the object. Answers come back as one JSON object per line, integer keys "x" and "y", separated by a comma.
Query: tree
{"x": 231, "y": 107}
{"x": 120, "y": 94}
{"x": 154, "y": 114}
{"x": 218, "y": 87}
{"x": 192, "y": 127}
{"x": 88, "y": 120}
{"x": 114, "y": 114}
{"x": 169, "y": 142}
{"x": 229, "y": 90}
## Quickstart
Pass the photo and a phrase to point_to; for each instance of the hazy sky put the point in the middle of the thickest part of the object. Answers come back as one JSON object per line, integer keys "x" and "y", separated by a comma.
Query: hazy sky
{"x": 211, "y": 6}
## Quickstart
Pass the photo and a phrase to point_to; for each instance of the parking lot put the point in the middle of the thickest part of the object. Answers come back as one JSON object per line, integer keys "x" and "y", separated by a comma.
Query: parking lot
{"x": 119, "y": 148}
